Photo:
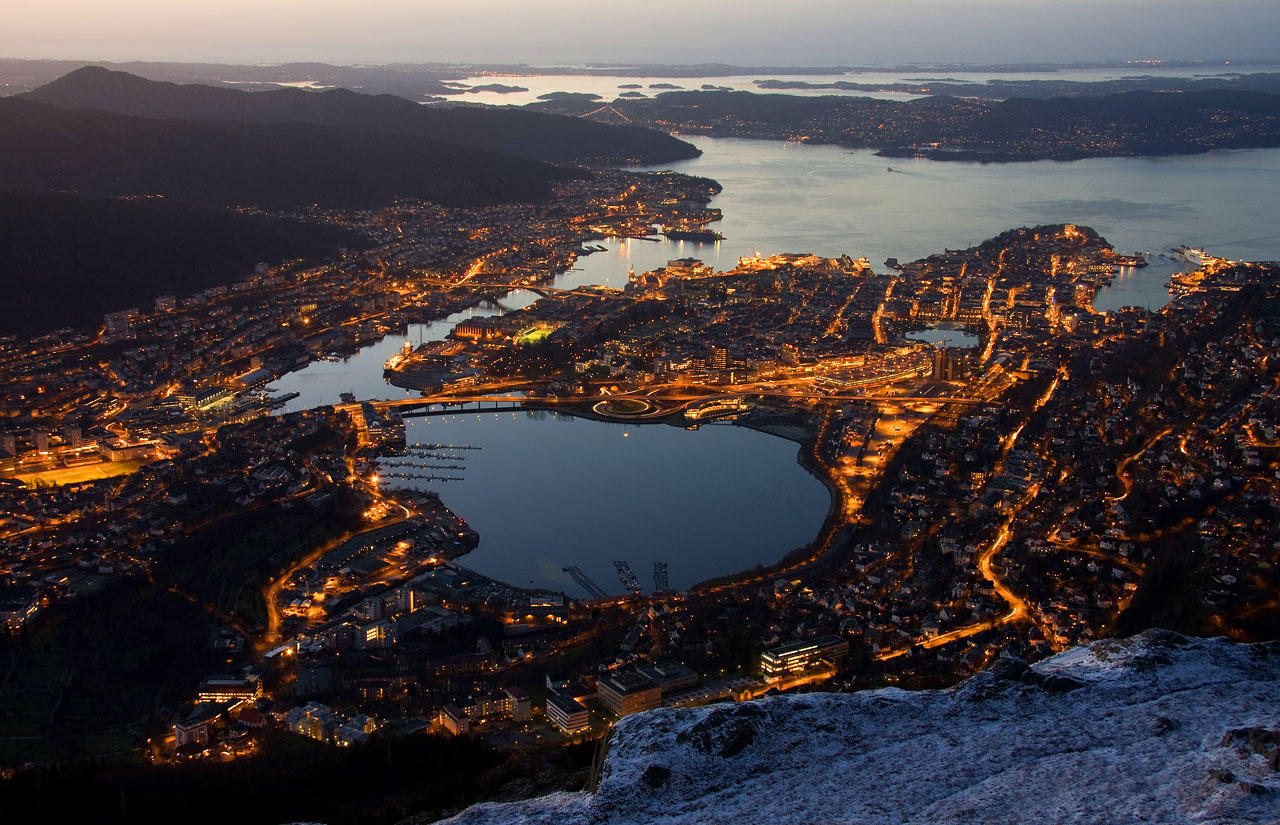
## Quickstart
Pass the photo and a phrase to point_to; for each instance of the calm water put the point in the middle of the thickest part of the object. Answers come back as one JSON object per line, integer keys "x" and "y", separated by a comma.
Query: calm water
{"x": 550, "y": 490}
{"x": 554, "y": 491}
{"x": 783, "y": 197}
{"x": 945, "y": 334}
{"x": 608, "y": 86}
{"x": 322, "y": 382}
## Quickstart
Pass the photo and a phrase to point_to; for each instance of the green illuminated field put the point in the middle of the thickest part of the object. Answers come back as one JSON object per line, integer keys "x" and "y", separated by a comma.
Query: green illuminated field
{"x": 535, "y": 335}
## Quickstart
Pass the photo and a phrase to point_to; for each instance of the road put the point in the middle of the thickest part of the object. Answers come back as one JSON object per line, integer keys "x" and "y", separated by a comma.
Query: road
{"x": 1121, "y": 469}
{"x": 1018, "y": 608}
{"x": 271, "y": 594}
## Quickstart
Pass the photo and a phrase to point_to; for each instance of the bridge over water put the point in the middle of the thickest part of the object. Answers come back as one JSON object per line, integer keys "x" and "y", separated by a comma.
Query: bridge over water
{"x": 659, "y": 404}
{"x": 455, "y": 404}
{"x": 539, "y": 289}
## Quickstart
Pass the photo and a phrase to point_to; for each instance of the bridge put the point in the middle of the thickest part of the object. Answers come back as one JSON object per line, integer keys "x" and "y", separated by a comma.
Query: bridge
{"x": 877, "y": 399}
{"x": 605, "y": 109}
{"x": 746, "y": 391}
{"x": 455, "y": 404}
{"x": 540, "y": 289}
{"x": 663, "y": 403}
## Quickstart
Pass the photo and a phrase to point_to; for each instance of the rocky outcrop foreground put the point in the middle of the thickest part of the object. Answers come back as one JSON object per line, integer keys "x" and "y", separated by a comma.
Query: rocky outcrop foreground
{"x": 1159, "y": 728}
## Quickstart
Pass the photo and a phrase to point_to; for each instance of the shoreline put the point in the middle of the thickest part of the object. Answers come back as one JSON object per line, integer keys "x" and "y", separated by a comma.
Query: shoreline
{"x": 799, "y": 434}
{"x": 804, "y": 439}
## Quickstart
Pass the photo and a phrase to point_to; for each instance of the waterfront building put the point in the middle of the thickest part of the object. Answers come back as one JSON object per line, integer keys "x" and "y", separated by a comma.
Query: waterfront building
{"x": 383, "y": 428}
{"x": 203, "y": 400}
{"x": 365, "y": 543}
{"x": 480, "y": 329}
{"x": 255, "y": 378}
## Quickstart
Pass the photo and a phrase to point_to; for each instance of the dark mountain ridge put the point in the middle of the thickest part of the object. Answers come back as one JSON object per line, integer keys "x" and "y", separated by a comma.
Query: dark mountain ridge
{"x": 553, "y": 138}
{"x": 66, "y": 259}
{"x": 1135, "y": 123}
{"x": 279, "y": 166}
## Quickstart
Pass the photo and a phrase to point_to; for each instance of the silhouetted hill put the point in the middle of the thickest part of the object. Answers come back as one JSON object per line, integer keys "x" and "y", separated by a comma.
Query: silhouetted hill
{"x": 950, "y": 128}
{"x": 1005, "y": 88}
{"x": 46, "y": 148}
{"x": 514, "y": 132}
{"x": 1156, "y": 109}
{"x": 65, "y": 259}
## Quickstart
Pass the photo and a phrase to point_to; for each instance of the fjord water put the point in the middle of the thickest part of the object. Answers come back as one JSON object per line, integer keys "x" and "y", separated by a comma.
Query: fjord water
{"x": 608, "y": 87}
{"x": 790, "y": 197}
{"x": 546, "y": 493}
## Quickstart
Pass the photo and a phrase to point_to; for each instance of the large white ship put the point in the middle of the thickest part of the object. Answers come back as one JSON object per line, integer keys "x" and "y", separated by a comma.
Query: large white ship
{"x": 1196, "y": 256}
{"x": 394, "y": 362}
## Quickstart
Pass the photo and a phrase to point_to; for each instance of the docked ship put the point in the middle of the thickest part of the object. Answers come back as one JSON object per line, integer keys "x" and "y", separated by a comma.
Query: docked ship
{"x": 1196, "y": 256}
{"x": 1136, "y": 260}
{"x": 695, "y": 235}
{"x": 396, "y": 361}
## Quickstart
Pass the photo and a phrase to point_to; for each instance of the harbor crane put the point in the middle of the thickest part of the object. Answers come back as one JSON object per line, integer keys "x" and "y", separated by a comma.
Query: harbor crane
{"x": 627, "y": 577}
{"x": 660, "y": 582}
{"x": 585, "y": 582}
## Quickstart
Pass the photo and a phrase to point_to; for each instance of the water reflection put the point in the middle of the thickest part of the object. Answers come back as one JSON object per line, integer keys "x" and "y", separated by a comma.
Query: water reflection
{"x": 945, "y": 334}
{"x": 549, "y": 490}
{"x": 609, "y": 87}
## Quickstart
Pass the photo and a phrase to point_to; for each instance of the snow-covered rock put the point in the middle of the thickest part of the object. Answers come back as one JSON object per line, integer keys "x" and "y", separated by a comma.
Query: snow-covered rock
{"x": 1159, "y": 728}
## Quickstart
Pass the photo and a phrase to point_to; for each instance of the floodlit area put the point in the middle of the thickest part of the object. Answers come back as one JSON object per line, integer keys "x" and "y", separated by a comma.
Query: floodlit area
{"x": 63, "y": 476}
